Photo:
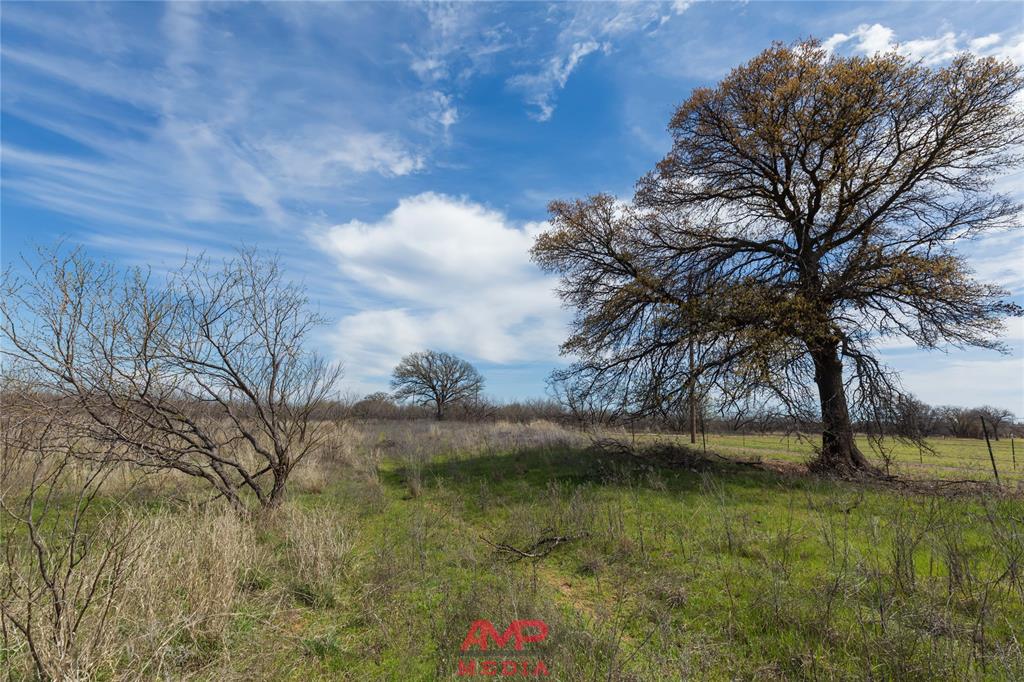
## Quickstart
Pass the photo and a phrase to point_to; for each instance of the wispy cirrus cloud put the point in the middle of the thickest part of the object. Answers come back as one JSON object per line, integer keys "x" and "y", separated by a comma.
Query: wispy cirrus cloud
{"x": 189, "y": 124}
{"x": 539, "y": 88}
{"x": 462, "y": 41}
{"x": 591, "y": 27}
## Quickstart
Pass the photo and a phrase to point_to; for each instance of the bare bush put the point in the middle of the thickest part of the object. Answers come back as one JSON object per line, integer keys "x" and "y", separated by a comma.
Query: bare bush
{"x": 67, "y": 553}
{"x": 205, "y": 374}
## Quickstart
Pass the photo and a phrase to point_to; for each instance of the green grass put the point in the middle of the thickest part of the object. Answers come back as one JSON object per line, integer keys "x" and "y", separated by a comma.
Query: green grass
{"x": 722, "y": 573}
{"x": 948, "y": 458}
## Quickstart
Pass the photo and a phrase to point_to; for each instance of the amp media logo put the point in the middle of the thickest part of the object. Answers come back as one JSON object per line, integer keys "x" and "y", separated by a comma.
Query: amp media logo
{"x": 510, "y": 656}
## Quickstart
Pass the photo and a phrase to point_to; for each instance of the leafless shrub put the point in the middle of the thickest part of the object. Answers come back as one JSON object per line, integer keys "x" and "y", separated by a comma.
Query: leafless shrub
{"x": 65, "y": 558}
{"x": 205, "y": 374}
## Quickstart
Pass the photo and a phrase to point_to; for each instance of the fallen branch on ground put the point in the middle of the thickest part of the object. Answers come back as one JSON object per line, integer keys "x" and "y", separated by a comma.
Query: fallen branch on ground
{"x": 541, "y": 548}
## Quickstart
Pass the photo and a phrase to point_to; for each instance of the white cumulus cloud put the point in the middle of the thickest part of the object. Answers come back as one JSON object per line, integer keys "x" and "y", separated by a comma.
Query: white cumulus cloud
{"x": 871, "y": 39}
{"x": 453, "y": 275}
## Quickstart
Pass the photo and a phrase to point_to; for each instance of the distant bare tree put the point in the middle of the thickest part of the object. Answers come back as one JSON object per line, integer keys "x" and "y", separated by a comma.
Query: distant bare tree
{"x": 915, "y": 417}
{"x": 206, "y": 373}
{"x": 809, "y": 207}
{"x": 379, "y": 405}
{"x": 960, "y": 422}
{"x": 530, "y": 410}
{"x": 998, "y": 418}
{"x": 744, "y": 414}
{"x": 433, "y": 377}
{"x": 589, "y": 401}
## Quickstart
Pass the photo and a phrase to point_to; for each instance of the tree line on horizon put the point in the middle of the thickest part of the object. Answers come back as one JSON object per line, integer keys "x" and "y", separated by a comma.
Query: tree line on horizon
{"x": 929, "y": 421}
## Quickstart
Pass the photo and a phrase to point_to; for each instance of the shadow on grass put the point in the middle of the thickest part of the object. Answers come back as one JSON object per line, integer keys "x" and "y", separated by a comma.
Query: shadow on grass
{"x": 577, "y": 466}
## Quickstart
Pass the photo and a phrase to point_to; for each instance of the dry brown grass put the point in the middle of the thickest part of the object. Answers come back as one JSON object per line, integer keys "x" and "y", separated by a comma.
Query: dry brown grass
{"x": 179, "y": 601}
{"x": 316, "y": 552}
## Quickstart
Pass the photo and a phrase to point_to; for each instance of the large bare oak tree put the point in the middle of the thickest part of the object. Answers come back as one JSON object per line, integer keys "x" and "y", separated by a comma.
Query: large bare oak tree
{"x": 809, "y": 208}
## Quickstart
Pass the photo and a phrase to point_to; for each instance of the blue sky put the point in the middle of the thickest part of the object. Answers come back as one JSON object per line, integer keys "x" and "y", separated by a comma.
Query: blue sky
{"x": 400, "y": 157}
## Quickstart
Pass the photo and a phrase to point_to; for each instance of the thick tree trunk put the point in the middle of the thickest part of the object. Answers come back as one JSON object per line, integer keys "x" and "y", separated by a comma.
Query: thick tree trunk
{"x": 276, "y": 496}
{"x": 839, "y": 453}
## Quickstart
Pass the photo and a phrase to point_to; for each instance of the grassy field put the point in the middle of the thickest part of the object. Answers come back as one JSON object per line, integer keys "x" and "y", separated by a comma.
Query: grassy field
{"x": 948, "y": 458}
{"x": 388, "y": 550}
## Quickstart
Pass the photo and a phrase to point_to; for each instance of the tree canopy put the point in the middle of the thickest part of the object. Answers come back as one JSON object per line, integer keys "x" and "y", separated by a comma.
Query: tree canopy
{"x": 809, "y": 208}
{"x": 436, "y": 377}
